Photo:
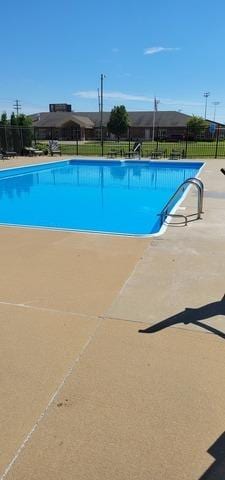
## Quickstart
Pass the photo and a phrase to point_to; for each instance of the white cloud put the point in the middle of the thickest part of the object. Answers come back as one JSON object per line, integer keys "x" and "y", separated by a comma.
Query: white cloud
{"x": 184, "y": 103}
{"x": 135, "y": 101}
{"x": 126, "y": 96}
{"x": 153, "y": 50}
{"x": 92, "y": 94}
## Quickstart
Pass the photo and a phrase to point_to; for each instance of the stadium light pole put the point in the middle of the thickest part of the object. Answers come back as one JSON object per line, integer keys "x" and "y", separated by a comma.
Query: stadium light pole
{"x": 215, "y": 105}
{"x": 206, "y": 95}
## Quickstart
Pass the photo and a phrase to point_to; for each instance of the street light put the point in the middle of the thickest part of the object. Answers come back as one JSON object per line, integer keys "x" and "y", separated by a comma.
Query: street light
{"x": 215, "y": 105}
{"x": 206, "y": 95}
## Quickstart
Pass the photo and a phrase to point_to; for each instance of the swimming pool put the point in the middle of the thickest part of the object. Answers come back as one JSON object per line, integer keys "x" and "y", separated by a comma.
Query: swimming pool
{"x": 115, "y": 197}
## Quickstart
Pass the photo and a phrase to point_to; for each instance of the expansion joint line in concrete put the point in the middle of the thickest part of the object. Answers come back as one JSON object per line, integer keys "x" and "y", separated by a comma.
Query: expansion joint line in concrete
{"x": 128, "y": 279}
{"x": 51, "y": 310}
{"x": 52, "y": 399}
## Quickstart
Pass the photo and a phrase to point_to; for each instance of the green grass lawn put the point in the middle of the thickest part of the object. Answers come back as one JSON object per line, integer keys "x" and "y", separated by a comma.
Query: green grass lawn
{"x": 194, "y": 149}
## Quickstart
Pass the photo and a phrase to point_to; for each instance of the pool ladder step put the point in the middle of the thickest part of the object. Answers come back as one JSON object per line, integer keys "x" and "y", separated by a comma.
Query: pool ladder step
{"x": 200, "y": 188}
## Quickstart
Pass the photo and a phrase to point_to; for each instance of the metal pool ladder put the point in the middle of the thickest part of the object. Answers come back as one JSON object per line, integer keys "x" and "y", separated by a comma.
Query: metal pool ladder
{"x": 200, "y": 188}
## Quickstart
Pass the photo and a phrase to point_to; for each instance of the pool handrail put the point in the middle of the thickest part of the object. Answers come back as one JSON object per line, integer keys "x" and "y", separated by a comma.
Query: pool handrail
{"x": 200, "y": 187}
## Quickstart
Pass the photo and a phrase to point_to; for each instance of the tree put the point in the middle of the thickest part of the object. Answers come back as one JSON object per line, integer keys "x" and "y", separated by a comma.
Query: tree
{"x": 25, "y": 125}
{"x": 3, "y": 131}
{"x": 118, "y": 121}
{"x": 4, "y": 120}
{"x": 15, "y": 134}
{"x": 21, "y": 132}
{"x": 196, "y": 125}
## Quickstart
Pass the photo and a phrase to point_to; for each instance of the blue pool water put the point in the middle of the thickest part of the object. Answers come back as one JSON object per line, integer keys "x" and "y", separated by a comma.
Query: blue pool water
{"x": 97, "y": 196}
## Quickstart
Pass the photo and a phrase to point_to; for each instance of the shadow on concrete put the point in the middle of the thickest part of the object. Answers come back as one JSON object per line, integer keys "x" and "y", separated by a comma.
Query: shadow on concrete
{"x": 217, "y": 469}
{"x": 193, "y": 315}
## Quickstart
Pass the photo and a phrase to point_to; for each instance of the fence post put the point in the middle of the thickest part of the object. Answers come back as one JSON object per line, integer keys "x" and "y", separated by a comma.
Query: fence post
{"x": 21, "y": 137}
{"x": 157, "y": 139}
{"x": 217, "y": 140}
{"x": 186, "y": 142}
{"x": 102, "y": 145}
{"x": 6, "y": 143}
{"x": 129, "y": 139}
{"x": 77, "y": 145}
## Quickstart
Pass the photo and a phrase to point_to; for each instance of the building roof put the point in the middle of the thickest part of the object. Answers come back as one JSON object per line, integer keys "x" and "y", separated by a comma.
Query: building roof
{"x": 144, "y": 119}
{"x": 60, "y": 119}
{"x": 93, "y": 119}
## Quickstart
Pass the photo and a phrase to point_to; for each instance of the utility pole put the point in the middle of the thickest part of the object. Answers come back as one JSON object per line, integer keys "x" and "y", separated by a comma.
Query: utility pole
{"x": 206, "y": 95}
{"x": 99, "y": 102}
{"x": 101, "y": 110}
{"x": 17, "y": 107}
{"x": 156, "y": 102}
{"x": 215, "y": 105}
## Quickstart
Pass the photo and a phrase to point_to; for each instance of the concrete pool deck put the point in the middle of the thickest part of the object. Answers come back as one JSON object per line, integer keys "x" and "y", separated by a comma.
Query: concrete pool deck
{"x": 85, "y": 393}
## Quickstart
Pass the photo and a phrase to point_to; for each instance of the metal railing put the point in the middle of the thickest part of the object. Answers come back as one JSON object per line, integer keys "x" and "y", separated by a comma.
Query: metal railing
{"x": 208, "y": 144}
{"x": 200, "y": 187}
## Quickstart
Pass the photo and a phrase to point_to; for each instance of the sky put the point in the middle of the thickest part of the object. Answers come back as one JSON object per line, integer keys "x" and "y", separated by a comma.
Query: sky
{"x": 55, "y": 52}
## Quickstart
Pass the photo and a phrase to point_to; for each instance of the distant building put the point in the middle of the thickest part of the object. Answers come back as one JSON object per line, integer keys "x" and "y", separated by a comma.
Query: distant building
{"x": 64, "y": 124}
{"x": 60, "y": 107}
{"x": 61, "y": 123}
